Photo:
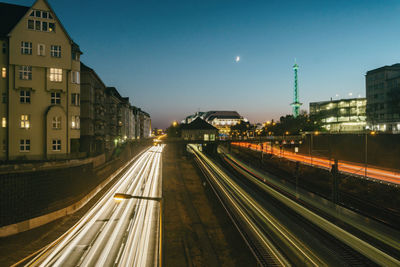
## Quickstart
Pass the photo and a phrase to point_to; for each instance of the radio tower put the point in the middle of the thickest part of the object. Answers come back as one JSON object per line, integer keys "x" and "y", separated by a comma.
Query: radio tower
{"x": 296, "y": 104}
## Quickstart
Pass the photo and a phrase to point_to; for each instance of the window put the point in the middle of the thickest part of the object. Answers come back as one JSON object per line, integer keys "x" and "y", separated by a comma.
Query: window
{"x": 41, "y": 14}
{"x": 55, "y": 51}
{"x": 24, "y": 123}
{"x": 55, "y": 98}
{"x": 4, "y": 122}
{"x": 3, "y": 72}
{"x": 41, "y": 50}
{"x": 38, "y": 25}
{"x": 56, "y": 123}
{"x": 75, "y": 55}
{"x": 43, "y": 26}
{"x": 31, "y": 24}
{"x": 56, "y": 145}
{"x": 25, "y": 96}
{"x": 55, "y": 75}
{"x": 75, "y": 99}
{"x": 52, "y": 27}
{"x": 75, "y": 122}
{"x": 4, "y": 98}
{"x": 4, "y": 145}
{"x": 4, "y": 49}
{"x": 75, "y": 77}
{"x": 26, "y": 48}
{"x": 24, "y": 145}
{"x": 25, "y": 72}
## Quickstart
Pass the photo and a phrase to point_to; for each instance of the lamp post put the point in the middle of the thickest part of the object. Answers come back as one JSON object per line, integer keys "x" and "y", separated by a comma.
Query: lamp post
{"x": 366, "y": 152}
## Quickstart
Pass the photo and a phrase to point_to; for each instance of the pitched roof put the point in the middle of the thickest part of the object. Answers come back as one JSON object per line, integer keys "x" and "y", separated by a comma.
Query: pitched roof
{"x": 10, "y": 15}
{"x": 198, "y": 124}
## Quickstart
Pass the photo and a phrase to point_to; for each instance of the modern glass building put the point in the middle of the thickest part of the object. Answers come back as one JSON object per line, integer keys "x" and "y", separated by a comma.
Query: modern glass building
{"x": 344, "y": 115}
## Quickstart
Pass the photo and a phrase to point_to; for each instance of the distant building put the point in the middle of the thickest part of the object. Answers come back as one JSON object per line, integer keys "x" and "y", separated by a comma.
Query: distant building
{"x": 344, "y": 115}
{"x": 39, "y": 84}
{"x": 222, "y": 120}
{"x": 144, "y": 124}
{"x": 199, "y": 130}
{"x": 113, "y": 99}
{"x": 383, "y": 98}
{"x": 93, "y": 112}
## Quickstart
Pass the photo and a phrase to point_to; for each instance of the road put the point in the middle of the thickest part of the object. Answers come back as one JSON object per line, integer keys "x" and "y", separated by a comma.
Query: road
{"x": 282, "y": 232}
{"x": 370, "y": 172}
{"x": 117, "y": 232}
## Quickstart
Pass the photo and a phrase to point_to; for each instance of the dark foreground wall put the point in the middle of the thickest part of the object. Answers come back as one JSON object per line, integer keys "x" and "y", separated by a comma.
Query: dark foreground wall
{"x": 30, "y": 194}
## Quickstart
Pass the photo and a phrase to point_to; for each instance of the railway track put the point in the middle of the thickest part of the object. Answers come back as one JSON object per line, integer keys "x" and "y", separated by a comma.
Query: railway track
{"x": 317, "y": 245}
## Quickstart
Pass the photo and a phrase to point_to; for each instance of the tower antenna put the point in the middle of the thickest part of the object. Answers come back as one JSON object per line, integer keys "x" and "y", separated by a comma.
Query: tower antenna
{"x": 296, "y": 104}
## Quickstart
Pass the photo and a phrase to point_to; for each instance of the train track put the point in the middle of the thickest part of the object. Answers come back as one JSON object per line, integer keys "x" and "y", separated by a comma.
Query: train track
{"x": 327, "y": 250}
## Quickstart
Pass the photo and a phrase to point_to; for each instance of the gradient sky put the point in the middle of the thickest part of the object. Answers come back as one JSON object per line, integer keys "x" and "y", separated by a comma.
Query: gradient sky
{"x": 174, "y": 57}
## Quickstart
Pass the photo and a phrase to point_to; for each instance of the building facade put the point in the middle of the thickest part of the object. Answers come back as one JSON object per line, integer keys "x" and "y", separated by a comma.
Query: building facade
{"x": 344, "y": 115}
{"x": 199, "y": 130}
{"x": 222, "y": 120}
{"x": 383, "y": 98}
{"x": 93, "y": 111}
{"x": 40, "y": 82}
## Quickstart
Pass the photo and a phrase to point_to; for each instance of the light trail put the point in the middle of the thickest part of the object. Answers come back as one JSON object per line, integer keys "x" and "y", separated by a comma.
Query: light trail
{"x": 351, "y": 240}
{"x": 345, "y": 167}
{"x": 244, "y": 204}
{"x": 116, "y": 233}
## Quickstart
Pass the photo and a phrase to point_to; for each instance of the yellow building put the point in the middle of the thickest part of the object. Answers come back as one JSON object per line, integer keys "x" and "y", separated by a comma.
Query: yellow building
{"x": 39, "y": 84}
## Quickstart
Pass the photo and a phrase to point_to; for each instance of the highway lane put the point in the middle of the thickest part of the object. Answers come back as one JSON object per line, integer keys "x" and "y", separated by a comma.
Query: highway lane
{"x": 306, "y": 238}
{"x": 116, "y": 232}
{"x": 370, "y": 172}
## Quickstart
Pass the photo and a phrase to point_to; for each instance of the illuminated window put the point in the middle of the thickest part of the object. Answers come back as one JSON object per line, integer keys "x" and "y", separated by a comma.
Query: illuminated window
{"x": 25, "y": 96}
{"x": 3, "y": 72}
{"x": 55, "y": 75}
{"x": 26, "y": 48}
{"x": 56, "y": 145}
{"x": 52, "y": 27}
{"x": 75, "y": 99}
{"x": 24, "y": 123}
{"x": 24, "y": 145}
{"x": 55, "y": 98}
{"x": 4, "y": 122}
{"x": 56, "y": 123}
{"x": 75, "y": 122}
{"x": 75, "y": 77}
{"x": 25, "y": 72}
{"x": 55, "y": 51}
{"x": 41, "y": 50}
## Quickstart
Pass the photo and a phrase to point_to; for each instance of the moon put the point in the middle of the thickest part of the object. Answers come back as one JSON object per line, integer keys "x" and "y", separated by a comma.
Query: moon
{"x": 237, "y": 59}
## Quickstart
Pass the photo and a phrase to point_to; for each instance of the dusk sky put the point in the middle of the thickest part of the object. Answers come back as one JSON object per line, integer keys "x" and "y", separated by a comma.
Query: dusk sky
{"x": 174, "y": 57}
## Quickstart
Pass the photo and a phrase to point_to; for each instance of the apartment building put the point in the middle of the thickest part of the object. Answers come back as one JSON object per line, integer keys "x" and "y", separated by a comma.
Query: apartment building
{"x": 383, "y": 98}
{"x": 39, "y": 84}
{"x": 93, "y": 112}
